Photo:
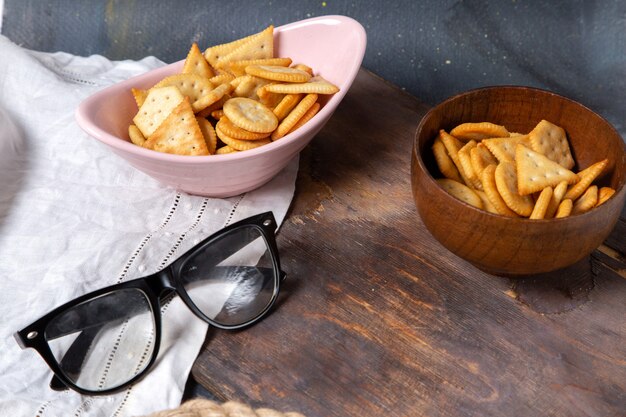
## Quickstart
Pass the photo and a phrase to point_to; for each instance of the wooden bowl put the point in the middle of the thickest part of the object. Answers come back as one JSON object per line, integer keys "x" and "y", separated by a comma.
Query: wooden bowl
{"x": 515, "y": 246}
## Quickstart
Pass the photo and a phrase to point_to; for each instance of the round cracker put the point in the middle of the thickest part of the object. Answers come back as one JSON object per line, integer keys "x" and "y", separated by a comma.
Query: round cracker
{"x": 444, "y": 162}
{"x": 287, "y": 124}
{"x": 238, "y": 144}
{"x": 236, "y": 132}
{"x": 491, "y": 190}
{"x": 460, "y": 191}
{"x": 478, "y": 131}
{"x": 506, "y": 182}
{"x": 542, "y": 203}
{"x": 224, "y": 150}
{"x": 250, "y": 115}
{"x": 604, "y": 194}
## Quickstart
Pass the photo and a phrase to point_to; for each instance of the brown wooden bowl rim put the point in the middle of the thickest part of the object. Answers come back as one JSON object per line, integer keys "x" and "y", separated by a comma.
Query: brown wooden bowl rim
{"x": 420, "y": 162}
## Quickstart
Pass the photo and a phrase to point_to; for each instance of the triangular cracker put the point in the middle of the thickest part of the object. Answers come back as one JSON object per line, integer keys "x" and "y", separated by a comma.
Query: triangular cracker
{"x": 259, "y": 46}
{"x": 158, "y": 105}
{"x": 179, "y": 133}
{"x": 550, "y": 140}
{"x": 215, "y": 53}
{"x": 196, "y": 63}
{"x": 536, "y": 172}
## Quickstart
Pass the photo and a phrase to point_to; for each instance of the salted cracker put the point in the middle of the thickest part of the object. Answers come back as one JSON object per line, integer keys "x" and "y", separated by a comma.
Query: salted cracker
{"x": 233, "y": 131}
{"x": 238, "y": 68}
{"x": 211, "y": 97}
{"x": 604, "y": 194}
{"x": 587, "y": 201}
{"x": 536, "y": 172}
{"x": 478, "y": 131}
{"x": 215, "y": 53}
{"x": 195, "y": 63}
{"x": 315, "y": 85}
{"x": 135, "y": 135}
{"x": 466, "y": 162}
{"x": 238, "y": 144}
{"x": 179, "y": 133}
{"x": 586, "y": 176}
{"x": 480, "y": 157}
{"x": 259, "y": 46}
{"x": 292, "y": 118}
{"x": 208, "y": 132}
{"x": 488, "y": 180}
{"x": 542, "y": 203}
{"x": 507, "y": 184}
{"x": 193, "y": 86}
{"x": 250, "y": 115}
{"x": 278, "y": 73}
{"x": 550, "y": 140}
{"x": 504, "y": 148}
{"x": 460, "y": 191}
{"x": 444, "y": 162}
{"x": 158, "y": 105}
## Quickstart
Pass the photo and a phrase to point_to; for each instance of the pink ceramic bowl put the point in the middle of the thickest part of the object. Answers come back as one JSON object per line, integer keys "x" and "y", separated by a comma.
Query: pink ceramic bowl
{"x": 333, "y": 46}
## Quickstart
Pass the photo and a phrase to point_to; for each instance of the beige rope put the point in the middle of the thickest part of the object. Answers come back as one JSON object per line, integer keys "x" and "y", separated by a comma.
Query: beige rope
{"x": 206, "y": 408}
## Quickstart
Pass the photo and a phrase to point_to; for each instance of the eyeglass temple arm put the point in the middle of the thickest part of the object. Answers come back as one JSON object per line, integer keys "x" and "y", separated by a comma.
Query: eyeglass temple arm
{"x": 73, "y": 359}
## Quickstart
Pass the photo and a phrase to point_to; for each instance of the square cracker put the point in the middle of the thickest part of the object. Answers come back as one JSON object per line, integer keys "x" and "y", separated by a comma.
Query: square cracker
{"x": 504, "y": 148}
{"x": 156, "y": 107}
{"x": 550, "y": 140}
{"x": 179, "y": 133}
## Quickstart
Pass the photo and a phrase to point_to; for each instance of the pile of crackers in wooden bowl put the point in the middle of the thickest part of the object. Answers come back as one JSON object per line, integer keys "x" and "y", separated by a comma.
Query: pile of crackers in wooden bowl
{"x": 229, "y": 117}
{"x": 518, "y": 180}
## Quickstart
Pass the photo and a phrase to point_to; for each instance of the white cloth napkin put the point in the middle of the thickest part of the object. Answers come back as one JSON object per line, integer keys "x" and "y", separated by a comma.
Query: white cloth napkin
{"x": 74, "y": 218}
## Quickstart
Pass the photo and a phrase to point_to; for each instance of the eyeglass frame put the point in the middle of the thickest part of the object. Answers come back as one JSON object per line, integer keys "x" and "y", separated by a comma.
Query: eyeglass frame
{"x": 155, "y": 287}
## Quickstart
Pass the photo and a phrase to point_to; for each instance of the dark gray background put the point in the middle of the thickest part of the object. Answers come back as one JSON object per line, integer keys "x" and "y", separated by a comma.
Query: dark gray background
{"x": 433, "y": 49}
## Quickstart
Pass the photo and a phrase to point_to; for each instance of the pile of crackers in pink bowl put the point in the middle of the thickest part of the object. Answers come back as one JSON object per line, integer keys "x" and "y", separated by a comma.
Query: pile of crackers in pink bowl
{"x": 227, "y": 118}
{"x": 518, "y": 180}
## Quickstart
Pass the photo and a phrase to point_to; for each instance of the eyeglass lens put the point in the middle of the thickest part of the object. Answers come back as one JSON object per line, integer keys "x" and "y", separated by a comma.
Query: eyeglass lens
{"x": 104, "y": 342}
{"x": 232, "y": 280}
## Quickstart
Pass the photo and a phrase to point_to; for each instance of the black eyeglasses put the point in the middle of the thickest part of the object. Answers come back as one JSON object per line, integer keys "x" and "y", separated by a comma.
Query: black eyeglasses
{"x": 104, "y": 341}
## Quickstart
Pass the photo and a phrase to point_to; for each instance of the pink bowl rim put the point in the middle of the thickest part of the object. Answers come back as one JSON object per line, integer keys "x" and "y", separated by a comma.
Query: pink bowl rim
{"x": 88, "y": 105}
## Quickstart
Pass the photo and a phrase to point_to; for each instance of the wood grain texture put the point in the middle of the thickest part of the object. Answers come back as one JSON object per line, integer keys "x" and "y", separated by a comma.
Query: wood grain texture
{"x": 376, "y": 318}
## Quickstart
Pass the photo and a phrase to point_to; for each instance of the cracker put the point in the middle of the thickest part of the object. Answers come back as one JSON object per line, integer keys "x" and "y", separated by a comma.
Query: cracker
{"x": 557, "y": 196}
{"x": 158, "y": 105}
{"x": 208, "y": 132}
{"x": 507, "y": 184}
{"x": 139, "y": 96}
{"x": 564, "y": 210}
{"x": 491, "y": 191}
{"x": 480, "y": 157}
{"x": 315, "y": 85}
{"x": 216, "y": 53}
{"x": 292, "y": 118}
{"x": 286, "y": 104}
{"x": 586, "y": 176}
{"x": 179, "y": 133}
{"x": 478, "y": 131}
{"x": 466, "y": 163}
{"x": 238, "y": 144}
{"x": 225, "y": 149}
{"x": 269, "y": 99}
{"x": 215, "y": 106}
{"x": 306, "y": 117}
{"x": 278, "y": 73}
{"x": 259, "y": 46}
{"x": 444, "y": 162}
{"x": 536, "y": 172}
{"x": 550, "y": 140}
{"x": 250, "y": 115}
{"x": 193, "y": 86}
{"x": 304, "y": 68}
{"x": 248, "y": 86}
{"x": 487, "y": 205}
{"x": 504, "y": 148}
{"x": 238, "y": 68}
{"x": 542, "y": 203}
{"x": 196, "y": 64}
{"x": 211, "y": 97}
{"x": 135, "y": 135}
{"x": 604, "y": 194}
{"x": 587, "y": 201}
{"x": 453, "y": 145}
{"x": 221, "y": 79}
{"x": 217, "y": 114}
{"x": 236, "y": 132}
{"x": 460, "y": 191}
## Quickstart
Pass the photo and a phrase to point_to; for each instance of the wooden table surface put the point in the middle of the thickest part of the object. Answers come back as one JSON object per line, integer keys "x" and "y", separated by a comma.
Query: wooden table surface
{"x": 376, "y": 318}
